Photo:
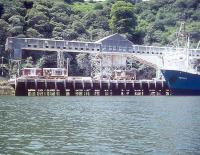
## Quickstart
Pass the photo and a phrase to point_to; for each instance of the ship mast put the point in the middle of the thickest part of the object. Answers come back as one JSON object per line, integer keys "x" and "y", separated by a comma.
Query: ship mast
{"x": 183, "y": 41}
{"x": 187, "y": 52}
{"x": 186, "y": 45}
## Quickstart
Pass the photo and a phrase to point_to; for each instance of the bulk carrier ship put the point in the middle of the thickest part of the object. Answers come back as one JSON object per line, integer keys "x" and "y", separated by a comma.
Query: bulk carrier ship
{"x": 180, "y": 71}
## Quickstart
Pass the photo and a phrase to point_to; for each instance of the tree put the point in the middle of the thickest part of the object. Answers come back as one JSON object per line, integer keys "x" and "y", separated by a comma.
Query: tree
{"x": 28, "y": 63}
{"x": 83, "y": 61}
{"x": 33, "y": 33}
{"x": 61, "y": 8}
{"x": 123, "y": 19}
{"x": 3, "y": 30}
{"x": 16, "y": 30}
{"x": 78, "y": 27}
{"x": 1, "y": 9}
{"x": 28, "y": 4}
{"x": 40, "y": 62}
{"x": 17, "y": 20}
{"x": 71, "y": 1}
{"x": 41, "y": 23}
{"x": 98, "y": 6}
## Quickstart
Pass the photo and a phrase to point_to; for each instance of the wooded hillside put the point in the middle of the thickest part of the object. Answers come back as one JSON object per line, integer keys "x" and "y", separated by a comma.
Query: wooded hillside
{"x": 152, "y": 22}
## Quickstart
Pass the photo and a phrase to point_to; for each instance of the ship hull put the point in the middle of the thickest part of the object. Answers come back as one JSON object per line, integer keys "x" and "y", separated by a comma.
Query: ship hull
{"x": 182, "y": 83}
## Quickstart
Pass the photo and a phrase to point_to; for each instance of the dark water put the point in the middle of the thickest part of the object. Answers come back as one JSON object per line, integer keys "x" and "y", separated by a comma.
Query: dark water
{"x": 100, "y": 125}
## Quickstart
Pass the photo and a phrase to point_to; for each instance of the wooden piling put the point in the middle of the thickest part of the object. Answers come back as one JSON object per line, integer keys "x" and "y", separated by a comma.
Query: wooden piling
{"x": 63, "y": 87}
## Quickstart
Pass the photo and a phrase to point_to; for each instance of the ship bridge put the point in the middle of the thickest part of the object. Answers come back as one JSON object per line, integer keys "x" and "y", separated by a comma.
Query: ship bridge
{"x": 113, "y": 51}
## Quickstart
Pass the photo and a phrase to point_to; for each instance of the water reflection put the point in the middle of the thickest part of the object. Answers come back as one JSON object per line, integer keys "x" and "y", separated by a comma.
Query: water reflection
{"x": 99, "y": 125}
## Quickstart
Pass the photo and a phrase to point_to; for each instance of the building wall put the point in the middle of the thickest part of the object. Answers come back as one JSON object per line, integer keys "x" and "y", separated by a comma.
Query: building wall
{"x": 114, "y": 60}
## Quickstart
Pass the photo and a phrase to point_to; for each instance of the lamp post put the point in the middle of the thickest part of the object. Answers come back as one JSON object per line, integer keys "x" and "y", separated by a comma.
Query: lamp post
{"x": 2, "y": 65}
{"x": 67, "y": 67}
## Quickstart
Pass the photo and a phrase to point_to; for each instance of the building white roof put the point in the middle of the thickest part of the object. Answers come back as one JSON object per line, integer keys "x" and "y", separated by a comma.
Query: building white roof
{"x": 115, "y": 39}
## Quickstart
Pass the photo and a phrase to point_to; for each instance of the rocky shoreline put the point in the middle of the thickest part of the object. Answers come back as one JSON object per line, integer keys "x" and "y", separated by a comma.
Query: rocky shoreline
{"x": 6, "y": 89}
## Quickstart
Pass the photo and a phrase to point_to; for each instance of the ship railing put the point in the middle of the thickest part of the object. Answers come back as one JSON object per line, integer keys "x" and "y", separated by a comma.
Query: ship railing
{"x": 161, "y": 49}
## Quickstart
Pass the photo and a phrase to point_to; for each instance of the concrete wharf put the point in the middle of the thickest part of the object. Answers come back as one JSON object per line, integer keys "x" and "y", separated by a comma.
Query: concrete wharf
{"x": 80, "y": 87}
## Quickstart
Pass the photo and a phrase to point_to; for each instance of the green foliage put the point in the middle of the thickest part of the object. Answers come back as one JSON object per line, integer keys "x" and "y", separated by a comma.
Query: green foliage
{"x": 28, "y": 63}
{"x": 40, "y": 62}
{"x": 78, "y": 27}
{"x": 84, "y": 64}
{"x": 1, "y": 9}
{"x": 32, "y": 33}
{"x": 4, "y": 26}
{"x": 72, "y": 1}
{"x": 159, "y": 20}
{"x": 83, "y": 7}
{"x": 16, "y": 30}
{"x": 13, "y": 70}
{"x": 16, "y": 20}
{"x": 28, "y": 4}
{"x": 153, "y": 23}
{"x": 98, "y": 6}
{"x": 122, "y": 17}
{"x": 61, "y": 8}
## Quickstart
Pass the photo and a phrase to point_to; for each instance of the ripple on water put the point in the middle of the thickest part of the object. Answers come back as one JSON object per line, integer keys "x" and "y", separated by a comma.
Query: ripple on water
{"x": 34, "y": 145}
{"x": 99, "y": 125}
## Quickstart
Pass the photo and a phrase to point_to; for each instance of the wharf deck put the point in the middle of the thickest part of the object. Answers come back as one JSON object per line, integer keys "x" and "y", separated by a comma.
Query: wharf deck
{"x": 86, "y": 87}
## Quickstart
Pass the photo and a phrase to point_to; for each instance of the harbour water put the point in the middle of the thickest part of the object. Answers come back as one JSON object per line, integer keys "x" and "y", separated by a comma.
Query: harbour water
{"x": 154, "y": 125}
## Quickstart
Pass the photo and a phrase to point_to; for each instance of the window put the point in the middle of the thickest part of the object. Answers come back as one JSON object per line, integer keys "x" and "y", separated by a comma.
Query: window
{"x": 29, "y": 45}
{"x": 32, "y": 72}
{"x": 64, "y": 47}
{"x": 58, "y": 72}
{"x": 27, "y": 72}
{"x": 52, "y": 46}
{"x": 47, "y": 46}
{"x": 35, "y": 46}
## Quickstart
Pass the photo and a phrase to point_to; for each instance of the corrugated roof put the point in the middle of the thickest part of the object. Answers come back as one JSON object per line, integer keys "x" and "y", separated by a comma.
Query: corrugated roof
{"x": 112, "y": 37}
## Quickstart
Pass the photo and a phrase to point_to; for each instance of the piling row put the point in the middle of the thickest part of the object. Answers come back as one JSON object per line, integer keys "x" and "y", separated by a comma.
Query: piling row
{"x": 63, "y": 87}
